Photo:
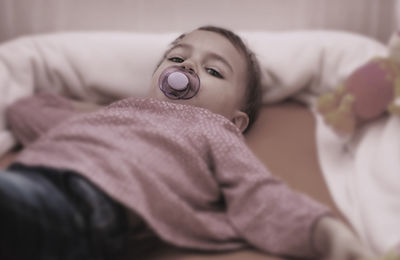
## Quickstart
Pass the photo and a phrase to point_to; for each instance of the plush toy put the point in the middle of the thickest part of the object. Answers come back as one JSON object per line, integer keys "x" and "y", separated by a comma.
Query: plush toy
{"x": 370, "y": 91}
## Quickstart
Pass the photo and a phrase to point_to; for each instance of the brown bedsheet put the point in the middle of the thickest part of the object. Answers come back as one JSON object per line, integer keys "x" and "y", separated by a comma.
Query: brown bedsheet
{"x": 284, "y": 139}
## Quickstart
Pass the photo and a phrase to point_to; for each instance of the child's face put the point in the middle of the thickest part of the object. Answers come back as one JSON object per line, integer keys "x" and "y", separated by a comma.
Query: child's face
{"x": 221, "y": 69}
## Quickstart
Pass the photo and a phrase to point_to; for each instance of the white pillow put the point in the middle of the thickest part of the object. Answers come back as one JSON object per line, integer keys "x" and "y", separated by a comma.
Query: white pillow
{"x": 303, "y": 64}
{"x": 104, "y": 66}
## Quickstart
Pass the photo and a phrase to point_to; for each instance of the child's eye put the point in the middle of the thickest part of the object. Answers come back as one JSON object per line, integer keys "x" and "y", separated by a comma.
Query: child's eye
{"x": 214, "y": 73}
{"x": 176, "y": 59}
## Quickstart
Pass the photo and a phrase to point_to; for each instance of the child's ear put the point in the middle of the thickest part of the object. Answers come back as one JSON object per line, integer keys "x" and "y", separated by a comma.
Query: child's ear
{"x": 241, "y": 120}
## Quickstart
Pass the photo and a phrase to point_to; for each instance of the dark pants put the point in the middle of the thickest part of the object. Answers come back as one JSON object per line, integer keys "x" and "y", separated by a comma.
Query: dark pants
{"x": 48, "y": 214}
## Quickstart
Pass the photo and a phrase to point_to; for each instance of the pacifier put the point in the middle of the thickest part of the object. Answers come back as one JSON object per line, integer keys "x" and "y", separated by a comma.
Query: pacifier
{"x": 179, "y": 83}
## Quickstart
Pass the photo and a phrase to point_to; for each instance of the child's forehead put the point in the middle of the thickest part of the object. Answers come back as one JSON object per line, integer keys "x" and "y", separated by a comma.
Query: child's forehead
{"x": 208, "y": 41}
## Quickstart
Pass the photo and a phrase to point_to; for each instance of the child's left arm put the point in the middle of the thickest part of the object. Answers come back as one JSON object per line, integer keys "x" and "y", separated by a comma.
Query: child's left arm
{"x": 271, "y": 216}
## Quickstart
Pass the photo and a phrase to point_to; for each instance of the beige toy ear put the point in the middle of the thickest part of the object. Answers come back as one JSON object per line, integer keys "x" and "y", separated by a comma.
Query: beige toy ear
{"x": 394, "y": 54}
{"x": 326, "y": 103}
{"x": 394, "y": 47}
{"x": 394, "y": 106}
{"x": 342, "y": 120}
{"x": 330, "y": 101}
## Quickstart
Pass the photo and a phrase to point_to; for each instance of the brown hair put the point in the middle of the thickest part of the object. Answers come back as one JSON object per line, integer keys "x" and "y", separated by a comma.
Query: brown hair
{"x": 252, "y": 103}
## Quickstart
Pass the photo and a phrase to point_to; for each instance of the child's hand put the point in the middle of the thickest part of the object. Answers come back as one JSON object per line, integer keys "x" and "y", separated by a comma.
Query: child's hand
{"x": 335, "y": 241}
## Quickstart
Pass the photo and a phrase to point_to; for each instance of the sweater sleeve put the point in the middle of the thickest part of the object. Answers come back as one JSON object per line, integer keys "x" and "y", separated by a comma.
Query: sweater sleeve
{"x": 263, "y": 210}
{"x": 30, "y": 117}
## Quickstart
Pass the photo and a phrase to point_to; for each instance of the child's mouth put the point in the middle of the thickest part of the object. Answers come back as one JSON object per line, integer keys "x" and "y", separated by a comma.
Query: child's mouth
{"x": 178, "y": 83}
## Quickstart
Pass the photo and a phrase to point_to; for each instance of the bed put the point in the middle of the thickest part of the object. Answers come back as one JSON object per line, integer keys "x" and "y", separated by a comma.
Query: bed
{"x": 301, "y": 59}
{"x": 285, "y": 131}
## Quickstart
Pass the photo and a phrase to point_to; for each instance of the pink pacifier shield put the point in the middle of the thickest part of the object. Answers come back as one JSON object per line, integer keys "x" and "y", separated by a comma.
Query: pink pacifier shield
{"x": 178, "y": 83}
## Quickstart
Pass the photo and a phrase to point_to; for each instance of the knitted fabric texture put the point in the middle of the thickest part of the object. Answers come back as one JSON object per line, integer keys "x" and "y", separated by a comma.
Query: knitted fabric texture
{"x": 185, "y": 170}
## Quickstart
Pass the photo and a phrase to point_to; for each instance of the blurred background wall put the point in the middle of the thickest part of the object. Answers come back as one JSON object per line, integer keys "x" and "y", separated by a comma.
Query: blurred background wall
{"x": 376, "y": 18}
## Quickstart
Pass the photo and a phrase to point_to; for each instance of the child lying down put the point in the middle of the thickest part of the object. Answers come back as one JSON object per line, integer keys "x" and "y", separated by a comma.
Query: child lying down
{"x": 175, "y": 163}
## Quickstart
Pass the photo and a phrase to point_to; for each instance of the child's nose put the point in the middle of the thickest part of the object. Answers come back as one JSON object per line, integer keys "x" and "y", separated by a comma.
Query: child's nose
{"x": 190, "y": 66}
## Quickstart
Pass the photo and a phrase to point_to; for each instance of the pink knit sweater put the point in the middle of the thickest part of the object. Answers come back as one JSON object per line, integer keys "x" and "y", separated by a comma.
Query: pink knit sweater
{"x": 185, "y": 170}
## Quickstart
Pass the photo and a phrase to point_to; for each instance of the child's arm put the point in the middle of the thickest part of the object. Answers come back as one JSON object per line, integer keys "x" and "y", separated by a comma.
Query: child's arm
{"x": 272, "y": 217}
{"x": 31, "y": 117}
